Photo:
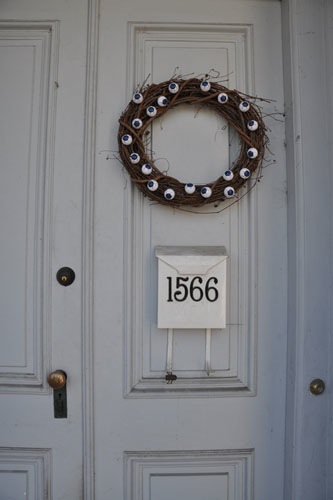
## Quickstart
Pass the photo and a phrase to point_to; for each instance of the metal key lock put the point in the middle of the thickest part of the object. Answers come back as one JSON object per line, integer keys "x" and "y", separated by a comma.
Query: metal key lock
{"x": 58, "y": 380}
{"x": 65, "y": 276}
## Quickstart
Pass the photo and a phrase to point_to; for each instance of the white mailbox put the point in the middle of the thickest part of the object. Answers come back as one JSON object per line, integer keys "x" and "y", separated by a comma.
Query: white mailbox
{"x": 191, "y": 287}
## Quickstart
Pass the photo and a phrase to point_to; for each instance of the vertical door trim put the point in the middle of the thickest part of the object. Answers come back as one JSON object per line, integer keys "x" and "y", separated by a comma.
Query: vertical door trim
{"x": 87, "y": 250}
{"x": 305, "y": 32}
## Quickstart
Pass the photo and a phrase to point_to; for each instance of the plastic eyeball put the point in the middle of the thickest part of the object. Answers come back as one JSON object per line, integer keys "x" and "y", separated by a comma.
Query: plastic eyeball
{"x": 244, "y": 106}
{"x": 137, "y": 123}
{"x": 169, "y": 194}
{"x": 152, "y": 185}
{"x": 134, "y": 158}
{"x": 127, "y": 139}
{"x": 189, "y": 188}
{"x": 252, "y": 153}
{"x": 146, "y": 169}
{"x": 173, "y": 88}
{"x": 137, "y": 98}
{"x": 151, "y": 111}
{"x": 228, "y": 175}
{"x": 162, "y": 101}
{"x": 205, "y": 86}
{"x": 229, "y": 192}
{"x": 222, "y": 98}
{"x": 252, "y": 125}
{"x": 244, "y": 173}
{"x": 206, "y": 192}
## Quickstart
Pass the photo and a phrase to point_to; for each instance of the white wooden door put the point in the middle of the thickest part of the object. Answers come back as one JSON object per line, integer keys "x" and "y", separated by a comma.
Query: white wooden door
{"x": 67, "y": 71}
{"x": 42, "y": 99}
{"x": 218, "y": 436}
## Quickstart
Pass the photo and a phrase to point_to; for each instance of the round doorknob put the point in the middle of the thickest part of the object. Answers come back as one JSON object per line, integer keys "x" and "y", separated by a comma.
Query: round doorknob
{"x": 57, "y": 379}
{"x": 317, "y": 386}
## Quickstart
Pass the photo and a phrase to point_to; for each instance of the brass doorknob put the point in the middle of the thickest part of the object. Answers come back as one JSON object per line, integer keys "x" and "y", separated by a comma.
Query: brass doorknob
{"x": 57, "y": 379}
{"x": 317, "y": 386}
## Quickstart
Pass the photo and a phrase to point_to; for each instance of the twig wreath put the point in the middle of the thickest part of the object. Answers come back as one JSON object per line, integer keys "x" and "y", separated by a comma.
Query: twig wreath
{"x": 239, "y": 110}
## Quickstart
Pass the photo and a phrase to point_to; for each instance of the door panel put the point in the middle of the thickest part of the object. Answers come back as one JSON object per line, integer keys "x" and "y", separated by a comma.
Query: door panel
{"x": 27, "y": 61}
{"x": 229, "y": 425}
{"x": 233, "y": 364}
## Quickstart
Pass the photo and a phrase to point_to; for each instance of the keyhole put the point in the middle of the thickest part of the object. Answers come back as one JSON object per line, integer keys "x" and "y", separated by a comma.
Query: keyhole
{"x": 65, "y": 276}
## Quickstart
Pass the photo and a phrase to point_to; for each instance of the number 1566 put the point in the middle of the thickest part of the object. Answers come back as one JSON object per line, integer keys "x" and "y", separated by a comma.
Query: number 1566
{"x": 182, "y": 288}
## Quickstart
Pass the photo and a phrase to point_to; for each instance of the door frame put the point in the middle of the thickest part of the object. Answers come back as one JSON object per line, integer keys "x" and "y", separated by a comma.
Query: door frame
{"x": 307, "y": 36}
{"x": 305, "y": 33}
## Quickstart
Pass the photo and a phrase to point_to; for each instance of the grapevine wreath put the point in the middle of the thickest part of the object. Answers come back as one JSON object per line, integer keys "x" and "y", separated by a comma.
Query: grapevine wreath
{"x": 154, "y": 101}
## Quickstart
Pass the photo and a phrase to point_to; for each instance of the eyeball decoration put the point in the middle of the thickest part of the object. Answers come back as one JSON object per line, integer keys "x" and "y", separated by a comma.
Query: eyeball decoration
{"x": 206, "y": 192}
{"x": 228, "y": 175}
{"x": 135, "y": 158}
{"x": 252, "y": 153}
{"x": 146, "y": 169}
{"x": 252, "y": 125}
{"x": 137, "y": 98}
{"x": 222, "y": 98}
{"x": 189, "y": 188}
{"x": 229, "y": 192}
{"x": 244, "y": 106}
{"x": 151, "y": 111}
{"x": 152, "y": 185}
{"x": 127, "y": 139}
{"x": 169, "y": 194}
{"x": 157, "y": 99}
{"x": 137, "y": 123}
{"x": 205, "y": 86}
{"x": 173, "y": 88}
{"x": 162, "y": 101}
{"x": 244, "y": 173}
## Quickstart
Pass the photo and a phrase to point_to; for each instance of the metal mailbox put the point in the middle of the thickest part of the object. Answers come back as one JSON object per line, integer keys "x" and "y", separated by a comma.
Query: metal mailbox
{"x": 191, "y": 287}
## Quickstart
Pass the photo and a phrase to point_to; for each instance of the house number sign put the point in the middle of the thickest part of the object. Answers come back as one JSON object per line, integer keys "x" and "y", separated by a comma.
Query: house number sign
{"x": 191, "y": 287}
{"x": 195, "y": 289}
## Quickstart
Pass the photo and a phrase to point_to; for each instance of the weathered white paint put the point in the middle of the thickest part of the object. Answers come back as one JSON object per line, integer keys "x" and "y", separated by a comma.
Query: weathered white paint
{"x": 43, "y": 59}
{"x": 239, "y": 408}
{"x": 308, "y": 80}
{"x": 202, "y": 423}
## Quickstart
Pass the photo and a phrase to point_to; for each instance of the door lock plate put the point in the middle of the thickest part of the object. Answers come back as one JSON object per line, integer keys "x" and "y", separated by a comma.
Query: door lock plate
{"x": 60, "y": 402}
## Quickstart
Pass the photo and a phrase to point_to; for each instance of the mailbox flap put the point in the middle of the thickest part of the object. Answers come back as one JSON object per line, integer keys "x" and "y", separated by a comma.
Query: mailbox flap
{"x": 191, "y": 260}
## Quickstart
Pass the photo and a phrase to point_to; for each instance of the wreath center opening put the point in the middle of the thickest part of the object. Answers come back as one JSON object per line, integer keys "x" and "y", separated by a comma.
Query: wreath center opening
{"x": 192, "y": 144}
